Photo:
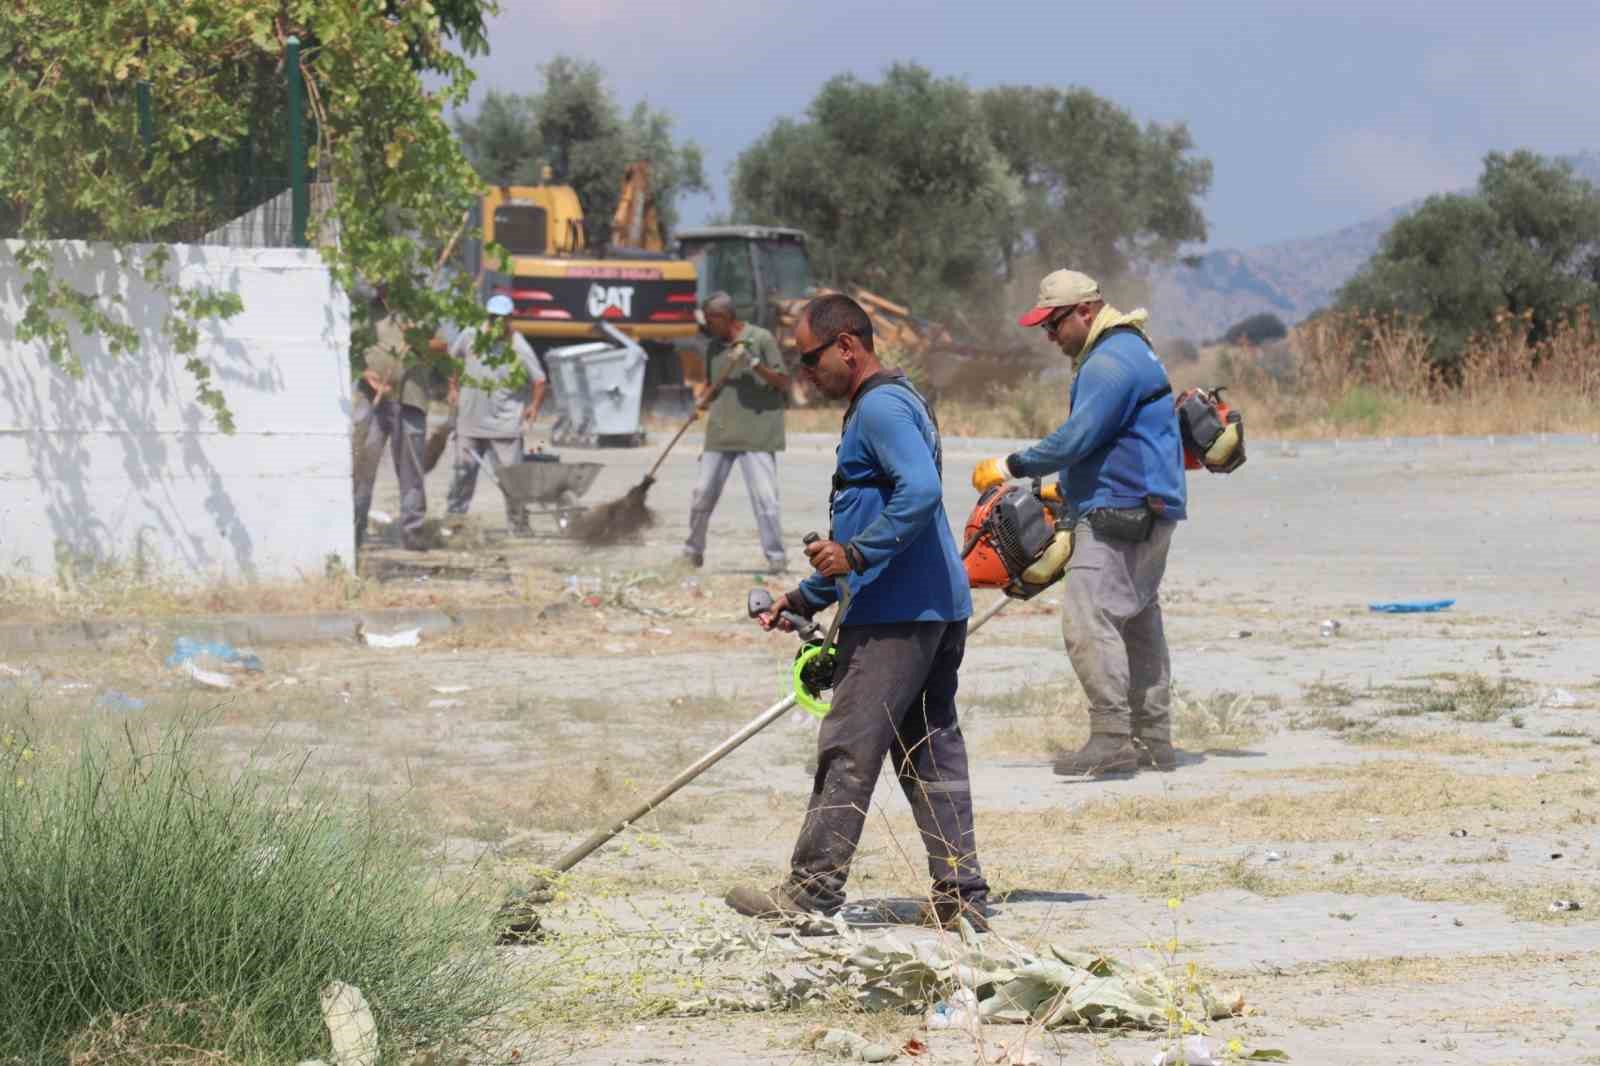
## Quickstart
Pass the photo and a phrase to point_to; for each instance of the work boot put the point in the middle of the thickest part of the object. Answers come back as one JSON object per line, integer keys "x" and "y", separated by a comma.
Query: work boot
{"x": 1156, "y": 755}
{"x": 693, "y": 560}
{"x": 772, "y": 904}
{"x": 944, "y": 912}
{"x": 1105, "y": 753}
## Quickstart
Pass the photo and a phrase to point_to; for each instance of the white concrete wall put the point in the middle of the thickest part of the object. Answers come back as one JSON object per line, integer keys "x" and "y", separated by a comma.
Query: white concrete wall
{"x": 123, "y": 464}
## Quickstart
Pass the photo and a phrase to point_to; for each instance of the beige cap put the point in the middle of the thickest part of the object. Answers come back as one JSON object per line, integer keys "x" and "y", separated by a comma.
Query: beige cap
{"x": 1061, "y": 288}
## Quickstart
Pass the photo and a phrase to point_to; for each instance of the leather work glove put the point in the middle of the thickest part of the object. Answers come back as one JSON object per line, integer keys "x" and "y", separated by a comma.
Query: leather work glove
{"x": 990, "y": 473}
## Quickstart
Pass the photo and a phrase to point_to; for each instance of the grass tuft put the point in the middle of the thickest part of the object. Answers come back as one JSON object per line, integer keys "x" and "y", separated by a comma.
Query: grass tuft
{"x": 146, "y": 903}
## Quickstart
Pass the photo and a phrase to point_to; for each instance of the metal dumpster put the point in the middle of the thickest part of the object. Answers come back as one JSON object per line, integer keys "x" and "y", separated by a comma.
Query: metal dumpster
{"x": 598, "y": 385}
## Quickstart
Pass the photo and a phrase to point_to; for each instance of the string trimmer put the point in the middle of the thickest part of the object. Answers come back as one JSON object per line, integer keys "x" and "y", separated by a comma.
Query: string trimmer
{"x": 622, "y": 517}
{"x": 519, "y": 922}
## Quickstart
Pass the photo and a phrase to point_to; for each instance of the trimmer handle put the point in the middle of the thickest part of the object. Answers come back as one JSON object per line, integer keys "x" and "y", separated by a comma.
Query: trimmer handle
{"x": 841, "y": 586}
{"x": 760, "y": 601}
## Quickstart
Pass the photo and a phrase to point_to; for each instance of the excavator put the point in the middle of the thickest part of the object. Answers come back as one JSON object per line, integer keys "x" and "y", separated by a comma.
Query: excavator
{"x": 562, "y": 290}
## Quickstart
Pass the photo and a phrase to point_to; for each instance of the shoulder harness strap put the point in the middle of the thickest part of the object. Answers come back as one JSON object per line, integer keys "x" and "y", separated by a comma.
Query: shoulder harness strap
{"x": 883, "y": 377}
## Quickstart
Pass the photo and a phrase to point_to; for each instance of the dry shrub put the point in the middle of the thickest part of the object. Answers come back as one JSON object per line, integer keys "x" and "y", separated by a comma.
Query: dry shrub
{"x": 162, "y": 1034}
{"x": 1339, "y": 375}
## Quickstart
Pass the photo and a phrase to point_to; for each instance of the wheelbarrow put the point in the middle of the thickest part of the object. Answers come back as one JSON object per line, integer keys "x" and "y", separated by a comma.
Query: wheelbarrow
{"x": 548, "y": 487}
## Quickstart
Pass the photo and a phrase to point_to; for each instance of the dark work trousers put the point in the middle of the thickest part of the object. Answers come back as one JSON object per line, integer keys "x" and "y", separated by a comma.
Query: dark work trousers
{"x": 403, "y": 430}
{"x": 895, "y": 696}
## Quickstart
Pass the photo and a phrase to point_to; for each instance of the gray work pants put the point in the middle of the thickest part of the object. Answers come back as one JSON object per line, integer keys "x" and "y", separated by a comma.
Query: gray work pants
{"x": 498, "y": 453}
{"x": 760, "y": 470}
{"x": 895, "y": 696}
{"x": 404, "y": 430}
{"x": 1111, "y": 622}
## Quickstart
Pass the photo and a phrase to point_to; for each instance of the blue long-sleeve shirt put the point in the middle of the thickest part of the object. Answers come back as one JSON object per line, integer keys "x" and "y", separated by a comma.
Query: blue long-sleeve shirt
{"x": 1114, "y": 449}
{"x": 913, "y": 570}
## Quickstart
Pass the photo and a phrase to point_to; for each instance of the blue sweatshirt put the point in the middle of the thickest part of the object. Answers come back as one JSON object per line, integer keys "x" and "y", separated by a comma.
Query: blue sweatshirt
{"x": 913, "y": 570}
{"x": 1111, "y": 451}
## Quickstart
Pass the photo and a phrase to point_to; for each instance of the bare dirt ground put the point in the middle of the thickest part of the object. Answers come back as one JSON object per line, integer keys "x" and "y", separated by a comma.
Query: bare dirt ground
{"x": 1364, "y": 839}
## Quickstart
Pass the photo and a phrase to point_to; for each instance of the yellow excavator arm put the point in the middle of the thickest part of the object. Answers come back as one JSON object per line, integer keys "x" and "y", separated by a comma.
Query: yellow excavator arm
{"x": 635, "y": 224}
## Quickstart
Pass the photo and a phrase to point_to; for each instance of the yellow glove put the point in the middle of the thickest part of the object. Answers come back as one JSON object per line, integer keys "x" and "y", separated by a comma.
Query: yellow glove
{"x": 990, "y": 473}
{"x": 1051, "y": 492}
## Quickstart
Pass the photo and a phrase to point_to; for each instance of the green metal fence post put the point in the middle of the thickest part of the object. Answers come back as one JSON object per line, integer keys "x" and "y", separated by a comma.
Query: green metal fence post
{"x": 299, "y": 194}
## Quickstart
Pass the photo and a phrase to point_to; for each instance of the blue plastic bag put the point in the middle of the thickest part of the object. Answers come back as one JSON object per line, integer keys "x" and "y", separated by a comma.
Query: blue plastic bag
{"x": 186, "y": 649}
{"x": 1412, "y": 606}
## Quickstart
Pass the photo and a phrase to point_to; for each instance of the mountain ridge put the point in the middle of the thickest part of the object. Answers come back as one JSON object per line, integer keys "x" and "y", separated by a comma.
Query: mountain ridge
{"x": 1290, "y": 278}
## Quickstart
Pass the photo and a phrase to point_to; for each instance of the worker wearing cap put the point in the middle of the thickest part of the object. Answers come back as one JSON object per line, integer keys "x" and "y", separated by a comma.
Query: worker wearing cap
{"x": 744, "y": 428}
{"x": 391, "y": 413}
{"x": 498, "y": 393}
{"x": 1121, "y": 467}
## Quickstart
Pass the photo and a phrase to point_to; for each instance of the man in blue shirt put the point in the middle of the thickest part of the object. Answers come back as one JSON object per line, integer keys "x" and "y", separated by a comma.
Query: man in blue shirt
{"x": 900, "y": 645}
{"x": 1121, "y": 465}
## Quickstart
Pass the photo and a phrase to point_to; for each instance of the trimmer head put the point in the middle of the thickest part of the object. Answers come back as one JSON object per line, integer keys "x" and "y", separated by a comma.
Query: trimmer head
{"x": 812, "y": 675}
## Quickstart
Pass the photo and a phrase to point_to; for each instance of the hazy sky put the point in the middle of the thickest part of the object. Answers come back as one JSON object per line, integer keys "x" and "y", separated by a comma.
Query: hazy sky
{"x": 1313, "y": 118}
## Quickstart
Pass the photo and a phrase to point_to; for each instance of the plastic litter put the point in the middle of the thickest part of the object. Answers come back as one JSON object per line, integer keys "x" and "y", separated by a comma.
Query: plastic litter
{"x": 583, "y": 585}
{"x": 406, "y": 638}
{"x": 957, "y": 1012}
{"x": 1241, "y": 634}
{"x": 1412, "y": 606}
{"x": 1458, "y": 832}
{"x": 112, "y": 700}
{"x": 1330, "y": 627}
{"x": 207, "y": 678}
{"x": 451, "y": 690}
{"x": 1561, "y": 905}
{"x": 1274, "y": 856}
{"x": 352, "y": 1030}
{"x": 444, "y": 705}
{"x": 381, "y": 518}
{"x": 1560, "y": 697}
{"x": 1194, "y": 1051}
{"x": 188, "y": 649}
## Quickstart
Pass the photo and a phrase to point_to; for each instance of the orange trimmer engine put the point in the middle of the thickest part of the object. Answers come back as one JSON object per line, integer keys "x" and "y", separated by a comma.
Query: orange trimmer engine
{"x": 1212, "y": 432}
{"x": 1016, "y": 540}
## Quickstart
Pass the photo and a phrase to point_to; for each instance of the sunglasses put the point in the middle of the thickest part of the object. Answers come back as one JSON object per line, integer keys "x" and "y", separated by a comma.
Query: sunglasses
{"x": 811, "y": 358}
{"x": 1053, "y": 323}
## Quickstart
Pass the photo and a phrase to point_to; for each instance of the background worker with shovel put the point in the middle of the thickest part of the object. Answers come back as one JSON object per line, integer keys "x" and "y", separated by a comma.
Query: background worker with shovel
{"x": 1121, "y": 466}
{"x": 744, "y": 428}
{"x": 390, "y": 411}
{"x": 901, "y": 642}
{"x": 497, "y": 400}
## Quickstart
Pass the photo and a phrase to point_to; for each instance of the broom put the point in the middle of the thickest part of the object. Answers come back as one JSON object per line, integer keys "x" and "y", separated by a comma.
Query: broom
{"x": 622, "y": 517}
